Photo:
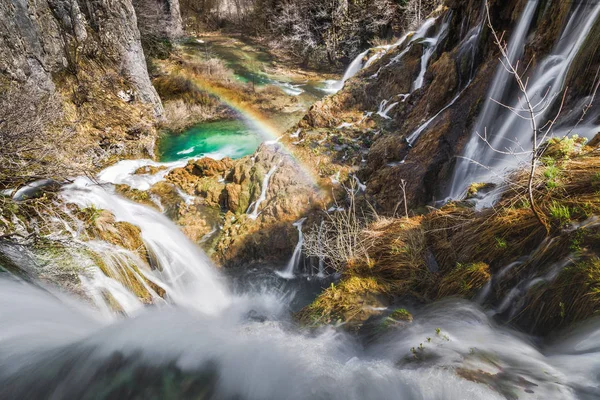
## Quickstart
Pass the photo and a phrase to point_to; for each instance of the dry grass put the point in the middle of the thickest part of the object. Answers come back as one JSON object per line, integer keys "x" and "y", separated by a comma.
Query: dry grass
{"x": 455, "y": 250}
{"x": 353, "y": 301}
{"x": 213, "y": 68}
{"x": 464, "y": 280}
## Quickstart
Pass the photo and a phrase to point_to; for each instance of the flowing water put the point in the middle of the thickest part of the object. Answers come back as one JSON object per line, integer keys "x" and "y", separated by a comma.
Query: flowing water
{"x": 294, "y": 262}
{"x": 211, "y": 336}
{"x": 510, "y": 132}
{"x": 207, "y": 335}
{"x": 55, "y": 347}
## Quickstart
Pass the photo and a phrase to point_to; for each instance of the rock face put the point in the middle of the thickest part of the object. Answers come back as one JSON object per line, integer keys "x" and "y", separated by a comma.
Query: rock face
{"x": 159, "y": 18}
{"x": 261, "y": 196}
{"x": 44, "y": 38}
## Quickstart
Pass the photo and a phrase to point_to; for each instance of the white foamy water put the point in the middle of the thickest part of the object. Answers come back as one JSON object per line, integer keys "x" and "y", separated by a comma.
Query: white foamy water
{"x": 294, "y": 262}
{"x": 254, "y": 208}
{"x": 122, "y": 173}
{"x": 53, "y": 347}
{"x": 182, "y": 270}
{"x": 186, "y": 151}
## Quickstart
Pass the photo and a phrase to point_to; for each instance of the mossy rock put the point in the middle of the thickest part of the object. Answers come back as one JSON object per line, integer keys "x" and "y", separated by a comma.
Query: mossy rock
{"x": 352, "y": 302}
{"x": 398, "y": 318}
{"x": 476, "y": 189}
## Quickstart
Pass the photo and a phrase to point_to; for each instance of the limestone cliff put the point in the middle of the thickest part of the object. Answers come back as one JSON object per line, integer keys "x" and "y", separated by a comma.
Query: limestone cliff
{"x": 41, "y": 39}
{"x": 87, "y": 57}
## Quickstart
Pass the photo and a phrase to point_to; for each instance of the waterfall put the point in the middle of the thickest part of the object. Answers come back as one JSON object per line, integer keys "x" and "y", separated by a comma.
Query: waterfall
{"x": 288, "y": 273}
{"x": 505, "y": 130}
{"x": 430, "y": 45}
{"x": 263, "y": 193}
{"x": 355, "y": 66}
{"x": 182, "y": 270}
{"x": 384, "y": 109}
{"x": 55, "y": 347}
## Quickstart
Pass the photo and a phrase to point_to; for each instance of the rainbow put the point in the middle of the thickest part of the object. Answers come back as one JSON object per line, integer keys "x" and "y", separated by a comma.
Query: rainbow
{"x": 253, "y": 118}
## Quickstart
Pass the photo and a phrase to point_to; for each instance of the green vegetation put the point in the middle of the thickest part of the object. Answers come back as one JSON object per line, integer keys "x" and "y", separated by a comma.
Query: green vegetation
{"x": 560, "y": 213}
{"x": 551, "y": 173}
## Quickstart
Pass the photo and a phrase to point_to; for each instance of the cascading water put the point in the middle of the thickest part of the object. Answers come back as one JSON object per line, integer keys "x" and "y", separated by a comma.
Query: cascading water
{"x": 288, "y": 273}
{"x": 430, "y": 45}
{"x": 182, "y": 270}
{"x": 355, "y": 66}
{"x": 263, "y": 193}
{"x": 385, "y": 108}
{"x": 203, "y": 340}
{"x": 506, "y": 131}
{"x": 413, "y": 137}
{"x": 54, "y": 347}
{"x": 416, "y": 36}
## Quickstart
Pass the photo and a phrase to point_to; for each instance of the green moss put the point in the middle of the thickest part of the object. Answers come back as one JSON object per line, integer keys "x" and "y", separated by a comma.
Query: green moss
{"x": 475, "y": 188}
{"x": 352, "y": 301}
{"x": 501, "y": 243}
{"x": 90, "y": 214}
{"x": 401, "y": 314}
{"x": 464, "y": 280}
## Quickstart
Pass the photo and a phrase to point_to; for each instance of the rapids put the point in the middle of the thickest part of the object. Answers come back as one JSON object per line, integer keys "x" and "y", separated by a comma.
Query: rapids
{"x": 52, "y": 346}
{"x": 232, "y": 335}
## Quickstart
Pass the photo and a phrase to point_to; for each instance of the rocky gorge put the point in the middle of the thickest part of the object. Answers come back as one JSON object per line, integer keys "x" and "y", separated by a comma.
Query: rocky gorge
{"x": 397, "y": 202}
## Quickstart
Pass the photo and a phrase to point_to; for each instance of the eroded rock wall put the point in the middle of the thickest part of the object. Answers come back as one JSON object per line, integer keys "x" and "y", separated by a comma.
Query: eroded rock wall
{"x": 42, "y": 38}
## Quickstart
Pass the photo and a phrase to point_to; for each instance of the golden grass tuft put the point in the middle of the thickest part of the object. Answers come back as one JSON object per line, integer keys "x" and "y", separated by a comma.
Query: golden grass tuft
{"x": 454, "y": 251}
{"x": 352, "y": 301}
{"x": 464, "y": 280}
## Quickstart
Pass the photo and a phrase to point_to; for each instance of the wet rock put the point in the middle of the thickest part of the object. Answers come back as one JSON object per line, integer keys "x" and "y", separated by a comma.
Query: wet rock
{"x": 206, "y": 167}
{"x": 149, "y": 170}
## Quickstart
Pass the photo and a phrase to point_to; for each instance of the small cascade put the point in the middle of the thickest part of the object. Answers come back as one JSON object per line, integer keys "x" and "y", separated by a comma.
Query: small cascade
{"x": 355, "y": 66}
{"x": 467, "y": 51}
{"x": 288, "y": 273}
{"x": 468, "y": 45}
{"x": 430, "y": 46}
{"x": 263, "y": 193}
{"x": 361, "y": 186}
{"x": 412, "y": 138}
{"x": 180, "y": 269}
{"x": 505, "y": 130}
{"x": 513, "y": 302}
{"x": 385, "y": 108}
{"x": 416, "y": 36}
{"x": 124, "y": 173}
